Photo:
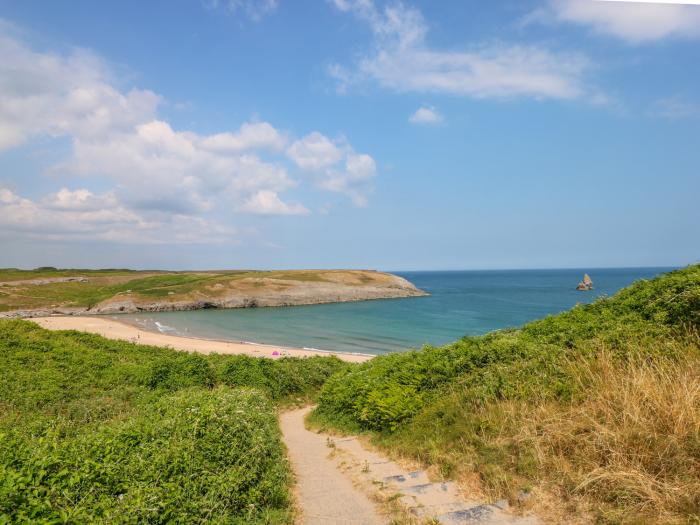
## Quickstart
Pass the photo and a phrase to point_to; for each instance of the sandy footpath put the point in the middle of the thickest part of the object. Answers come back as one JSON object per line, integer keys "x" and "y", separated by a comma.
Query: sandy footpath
{"x": 113, "y": 329}
{"x": 325, "y": 494}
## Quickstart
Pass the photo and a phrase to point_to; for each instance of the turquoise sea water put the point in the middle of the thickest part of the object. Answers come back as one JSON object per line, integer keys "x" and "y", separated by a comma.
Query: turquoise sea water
{"x": 461, "y": 303}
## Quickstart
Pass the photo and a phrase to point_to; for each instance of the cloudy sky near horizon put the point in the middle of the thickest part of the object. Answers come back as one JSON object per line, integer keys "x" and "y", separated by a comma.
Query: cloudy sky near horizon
{"x": 349, "y": 133}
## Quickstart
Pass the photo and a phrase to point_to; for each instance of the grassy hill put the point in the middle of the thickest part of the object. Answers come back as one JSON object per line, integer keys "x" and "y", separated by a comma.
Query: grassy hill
{"x": 100, "y": 431}
{"x": 597, "y": 408}
{"x": 112, "y": 291}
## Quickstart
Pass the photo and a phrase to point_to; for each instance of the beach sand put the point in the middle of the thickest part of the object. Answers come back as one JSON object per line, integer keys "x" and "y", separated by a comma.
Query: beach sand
{"x": 113, "y": 329}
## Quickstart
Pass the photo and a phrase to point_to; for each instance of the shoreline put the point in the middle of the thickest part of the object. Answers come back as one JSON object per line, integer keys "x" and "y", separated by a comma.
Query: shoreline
{"x": 123, "y": 331}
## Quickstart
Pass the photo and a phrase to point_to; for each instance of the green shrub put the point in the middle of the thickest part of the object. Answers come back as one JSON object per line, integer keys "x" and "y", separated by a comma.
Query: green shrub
{"x": 284, "y": 378}
{"x": 191, "y": 457}
{"x": 180, "y": 371}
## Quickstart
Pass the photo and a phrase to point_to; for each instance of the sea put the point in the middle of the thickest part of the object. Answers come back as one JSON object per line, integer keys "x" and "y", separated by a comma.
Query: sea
{"x": 461, "y": 303}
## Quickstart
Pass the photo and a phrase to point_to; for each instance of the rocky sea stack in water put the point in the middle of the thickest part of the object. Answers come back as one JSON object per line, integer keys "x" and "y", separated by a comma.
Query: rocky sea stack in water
{"x": 586, "y": 284}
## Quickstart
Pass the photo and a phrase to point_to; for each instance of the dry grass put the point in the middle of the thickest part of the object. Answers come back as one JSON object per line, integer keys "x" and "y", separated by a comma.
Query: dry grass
{"x": 629, "y": 450}
{"x": 626, "y": 449}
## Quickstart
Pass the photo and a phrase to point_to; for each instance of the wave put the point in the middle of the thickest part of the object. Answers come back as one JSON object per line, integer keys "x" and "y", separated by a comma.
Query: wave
{"x": 162, "y": 328}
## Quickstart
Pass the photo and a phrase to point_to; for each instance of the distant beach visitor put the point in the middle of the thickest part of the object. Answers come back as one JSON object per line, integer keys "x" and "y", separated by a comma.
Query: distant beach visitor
{"x": 586, "y": 284}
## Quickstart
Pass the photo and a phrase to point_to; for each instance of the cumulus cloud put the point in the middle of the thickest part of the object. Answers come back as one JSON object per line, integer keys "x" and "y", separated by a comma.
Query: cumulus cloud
{"x": 426, "y": 115}
{"x": 335, "y": 166}
{"x": 81, "y": 215}
{"x": 315, "y": 152}
{"x": 160, "y": 177}
{"x": 633, "y": 22}
{"x": 256, "y": 135}
{"x": 48, "y": 94}
{"x": 403, "y": 61}
{"x": 353, "y": 179}
{"x": 171, "y": 171}
{"x": 267, "y": 202}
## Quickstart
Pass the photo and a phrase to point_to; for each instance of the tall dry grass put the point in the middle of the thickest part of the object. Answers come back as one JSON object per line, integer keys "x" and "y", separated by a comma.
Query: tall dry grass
{"x": 629, "y": 447}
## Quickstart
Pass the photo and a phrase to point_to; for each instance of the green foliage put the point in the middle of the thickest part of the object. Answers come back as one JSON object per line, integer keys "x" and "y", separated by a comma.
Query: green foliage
{"x": 96, "y": 430}
{"x": 192, "y": 457}
{"x": 282, "y": 378}
{"x": 180, "y": 371}
{"x": 529, "y": 363}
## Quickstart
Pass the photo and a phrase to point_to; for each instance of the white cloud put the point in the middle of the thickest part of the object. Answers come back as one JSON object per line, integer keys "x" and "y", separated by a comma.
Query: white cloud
{"x": 254, "y": 9}
{"x": 48, "y": 94}
{"x": 315, "y": 152}
{"x": 352, "y": 179}
{"x": 267, "y": 202}
{"x": 82, "y": 216}
{"x": 157, "y": 176}
{"x": 171, "y": 171}
{"x": 257, "y": 135}
{"x": 335, "y": 166}
{"x": 403, "y": 61}
{"x": 633, "y": 22}
{"x": 426, "y": 115}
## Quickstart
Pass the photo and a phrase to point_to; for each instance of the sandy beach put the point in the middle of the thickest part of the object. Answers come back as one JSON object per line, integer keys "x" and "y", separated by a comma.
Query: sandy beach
{"x": 113, "y": 329}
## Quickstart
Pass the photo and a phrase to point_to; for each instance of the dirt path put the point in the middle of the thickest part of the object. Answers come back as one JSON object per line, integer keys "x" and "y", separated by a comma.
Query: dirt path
{"x": 325, "y": 495}
{"x": 338, "y": 479}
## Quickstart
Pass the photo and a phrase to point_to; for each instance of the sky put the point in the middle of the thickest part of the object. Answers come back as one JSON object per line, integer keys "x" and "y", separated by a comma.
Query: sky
{"x": 414, "y": 135}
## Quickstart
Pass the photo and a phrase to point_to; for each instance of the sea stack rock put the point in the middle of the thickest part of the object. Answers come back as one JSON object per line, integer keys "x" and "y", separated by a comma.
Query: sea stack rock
{"x": 586, "y": 284}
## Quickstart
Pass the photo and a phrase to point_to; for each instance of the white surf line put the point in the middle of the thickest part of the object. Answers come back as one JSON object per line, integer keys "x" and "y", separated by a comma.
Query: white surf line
{"x": 177, "y": 333}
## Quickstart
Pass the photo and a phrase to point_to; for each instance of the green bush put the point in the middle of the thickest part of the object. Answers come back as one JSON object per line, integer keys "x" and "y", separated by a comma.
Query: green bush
{"x": 180, "y": 371}
{"x": 284, "y": 378}
{"x": 195, "y": 456}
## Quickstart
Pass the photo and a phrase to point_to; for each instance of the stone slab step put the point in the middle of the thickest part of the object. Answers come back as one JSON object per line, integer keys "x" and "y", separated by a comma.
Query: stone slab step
{"x": 429, "y": 494}
{"x": 483, "y": 514}
{"x": 406, "y": 479}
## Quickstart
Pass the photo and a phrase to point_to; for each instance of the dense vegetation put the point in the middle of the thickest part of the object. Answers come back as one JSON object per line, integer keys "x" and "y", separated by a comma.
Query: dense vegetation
{"x": 600, "y": 404}
{"x": 94, "y": 430}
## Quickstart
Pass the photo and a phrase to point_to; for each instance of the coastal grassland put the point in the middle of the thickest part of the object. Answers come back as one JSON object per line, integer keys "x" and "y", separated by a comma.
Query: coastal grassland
{"x": 96, "y": 430}
{"x": 42, "y": 288}
{"x": 593, "y": 412}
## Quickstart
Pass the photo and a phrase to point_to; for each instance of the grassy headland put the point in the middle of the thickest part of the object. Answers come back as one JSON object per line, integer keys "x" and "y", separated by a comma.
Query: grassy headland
{"x": 112, "y": 291}
{"x": 596, "y": 409}
{"x": 95, "y": 430}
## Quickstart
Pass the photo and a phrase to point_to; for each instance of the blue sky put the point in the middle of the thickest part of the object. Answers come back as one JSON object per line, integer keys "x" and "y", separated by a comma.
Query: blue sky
{"x": 349, "y": 133}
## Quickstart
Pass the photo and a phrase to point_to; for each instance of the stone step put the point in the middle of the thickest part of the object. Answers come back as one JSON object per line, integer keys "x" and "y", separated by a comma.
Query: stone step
{"x": 475, "y": 514}
{"x": 406, "y": 479}
{"x": 429, "y": 494}
{"x": 483, "y": 514}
